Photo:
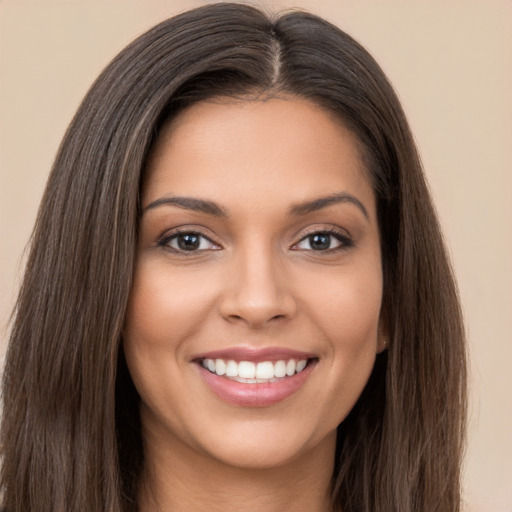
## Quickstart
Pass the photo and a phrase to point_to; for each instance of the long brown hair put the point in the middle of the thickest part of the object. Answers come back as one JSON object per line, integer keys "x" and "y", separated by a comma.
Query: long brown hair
{"x": 70, "y": 433}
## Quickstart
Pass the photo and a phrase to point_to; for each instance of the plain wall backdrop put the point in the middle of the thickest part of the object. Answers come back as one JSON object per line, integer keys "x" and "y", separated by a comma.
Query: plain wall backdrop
{"x": 451, "y": 64}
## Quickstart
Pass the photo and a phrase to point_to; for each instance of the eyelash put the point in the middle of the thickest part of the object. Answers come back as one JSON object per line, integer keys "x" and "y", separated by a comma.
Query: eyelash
{"x": 345, "y": 242}
{"x": 165, "y": 241}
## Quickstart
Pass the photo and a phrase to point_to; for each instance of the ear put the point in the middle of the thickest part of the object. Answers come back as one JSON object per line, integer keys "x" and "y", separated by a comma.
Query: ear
{"x": 382, "y": 334}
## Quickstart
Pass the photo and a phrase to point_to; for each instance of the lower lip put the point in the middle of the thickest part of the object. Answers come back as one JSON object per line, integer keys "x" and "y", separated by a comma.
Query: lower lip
{"x": 257, "y": 394}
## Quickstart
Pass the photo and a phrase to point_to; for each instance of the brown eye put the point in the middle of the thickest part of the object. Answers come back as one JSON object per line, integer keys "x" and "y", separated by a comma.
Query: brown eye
{"x": 188, "y": 241}
{"x": 319, "y": 242}
{"x": 322, "y": 241}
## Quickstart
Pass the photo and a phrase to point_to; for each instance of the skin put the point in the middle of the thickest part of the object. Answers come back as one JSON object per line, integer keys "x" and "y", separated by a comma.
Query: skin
{"x": 254, "y": 281}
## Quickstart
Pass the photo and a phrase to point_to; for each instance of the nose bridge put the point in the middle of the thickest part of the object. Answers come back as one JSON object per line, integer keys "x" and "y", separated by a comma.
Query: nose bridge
{"x": 259, "y": 290}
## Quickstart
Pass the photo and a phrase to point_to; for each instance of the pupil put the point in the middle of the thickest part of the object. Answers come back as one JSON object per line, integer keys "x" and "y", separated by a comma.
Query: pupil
{"x": 320, "y": 242}
{"x": 188, "y": 242}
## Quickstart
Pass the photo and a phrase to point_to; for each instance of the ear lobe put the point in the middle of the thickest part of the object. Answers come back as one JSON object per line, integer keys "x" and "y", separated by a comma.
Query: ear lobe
{"x": 382, "y": 344}
{"x": 382, "y": 336}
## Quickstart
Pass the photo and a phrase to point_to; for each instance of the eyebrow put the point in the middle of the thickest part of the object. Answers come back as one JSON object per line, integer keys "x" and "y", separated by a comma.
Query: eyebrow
{"x": 212, "y": 208}
{"x": 189, "y": 203}
{"x": 323, "y": 202}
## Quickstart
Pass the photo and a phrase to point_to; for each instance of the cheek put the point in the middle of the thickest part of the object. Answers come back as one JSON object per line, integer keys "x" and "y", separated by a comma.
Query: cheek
{"x": 346, "y": 305}
{"x": 165, "y": 307}
{"x": 351, "y": 319}
{"x": 164, "y": 313}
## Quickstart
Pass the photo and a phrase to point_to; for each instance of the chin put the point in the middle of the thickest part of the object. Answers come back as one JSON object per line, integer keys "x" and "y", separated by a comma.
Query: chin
{"x": 272, "y": 454}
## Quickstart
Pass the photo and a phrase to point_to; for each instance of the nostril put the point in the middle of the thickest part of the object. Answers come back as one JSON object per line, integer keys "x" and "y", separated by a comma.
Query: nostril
{"x": 256, "y": 321}
{"x": 256, "y": 306}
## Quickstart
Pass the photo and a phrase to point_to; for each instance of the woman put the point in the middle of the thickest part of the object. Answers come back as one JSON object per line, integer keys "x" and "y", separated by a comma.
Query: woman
{"x": 237, "y": 294}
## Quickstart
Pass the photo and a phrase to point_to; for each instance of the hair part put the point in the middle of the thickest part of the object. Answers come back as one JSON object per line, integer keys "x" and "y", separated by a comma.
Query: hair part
{"x": 71, "y": 429}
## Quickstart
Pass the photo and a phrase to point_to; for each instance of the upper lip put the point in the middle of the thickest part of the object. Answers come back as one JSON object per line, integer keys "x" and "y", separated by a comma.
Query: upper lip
{"x": 255, "y": 355}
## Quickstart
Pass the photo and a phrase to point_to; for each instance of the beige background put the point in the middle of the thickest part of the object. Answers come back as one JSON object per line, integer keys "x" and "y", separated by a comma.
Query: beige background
{"x": 451, "y": 63}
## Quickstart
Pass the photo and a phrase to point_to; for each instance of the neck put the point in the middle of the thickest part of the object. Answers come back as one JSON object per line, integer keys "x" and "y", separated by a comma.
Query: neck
{"x": 179, "y": 479}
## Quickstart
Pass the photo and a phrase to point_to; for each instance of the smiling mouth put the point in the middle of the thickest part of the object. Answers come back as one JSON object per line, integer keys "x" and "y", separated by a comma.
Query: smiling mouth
{"x": 248, "y": 372}
{"x": 249, "y": 377}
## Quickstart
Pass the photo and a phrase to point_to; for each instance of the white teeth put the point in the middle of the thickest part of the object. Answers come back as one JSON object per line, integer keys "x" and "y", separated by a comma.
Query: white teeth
{"x": 280, "y": 369}
{"x": 231, "y": 369}
{"x": 246, "y": 370}
{"x": 265, "y": 370}
{"x": 300, "y": 366}
{"x": 290, "y": 367}
{"x": 249, "y": 372}
{"x": 220, "y": 367}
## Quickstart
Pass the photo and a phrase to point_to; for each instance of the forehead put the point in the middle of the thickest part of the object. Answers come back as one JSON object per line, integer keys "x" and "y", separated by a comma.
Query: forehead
{"x": 284, "y": 149}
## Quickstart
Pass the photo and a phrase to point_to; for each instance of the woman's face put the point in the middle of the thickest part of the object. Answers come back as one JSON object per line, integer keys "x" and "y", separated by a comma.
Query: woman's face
{"x": 253, "y": 322}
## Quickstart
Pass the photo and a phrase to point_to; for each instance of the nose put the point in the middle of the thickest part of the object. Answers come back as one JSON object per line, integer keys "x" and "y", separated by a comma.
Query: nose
{"x": 258, "y": 291}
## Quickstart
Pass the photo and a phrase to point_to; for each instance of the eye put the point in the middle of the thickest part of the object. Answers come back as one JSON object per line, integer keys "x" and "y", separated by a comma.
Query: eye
{"x": 188, "y": 241}
{"x": 322, "y": 241}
